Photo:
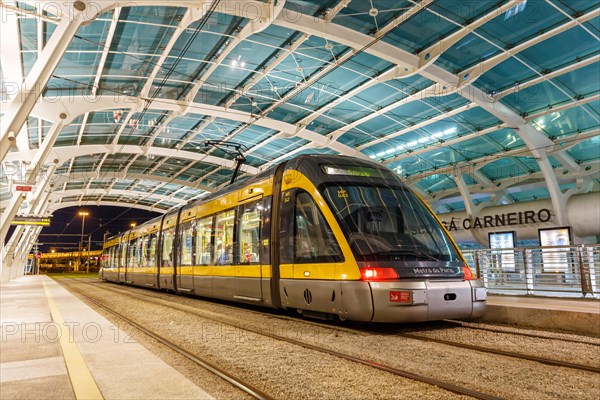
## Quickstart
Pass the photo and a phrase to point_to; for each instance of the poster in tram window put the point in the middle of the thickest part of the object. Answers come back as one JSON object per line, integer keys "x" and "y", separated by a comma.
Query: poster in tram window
{"x": 504, "y": 261}
{"x": 502, "y": 240}
{"x": 555, "y": 259}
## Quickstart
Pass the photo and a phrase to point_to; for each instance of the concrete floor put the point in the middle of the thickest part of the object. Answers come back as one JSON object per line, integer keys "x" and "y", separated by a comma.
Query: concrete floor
{"x": 56, "y": 347}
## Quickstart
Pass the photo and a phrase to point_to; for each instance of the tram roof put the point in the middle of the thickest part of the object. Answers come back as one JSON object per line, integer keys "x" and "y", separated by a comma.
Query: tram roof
{"x": 161, "y": 100}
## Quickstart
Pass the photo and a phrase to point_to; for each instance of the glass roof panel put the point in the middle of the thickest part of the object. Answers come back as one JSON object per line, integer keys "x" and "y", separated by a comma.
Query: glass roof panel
{"x": 522, "y": 23}
{"x": 536, "y": 98}
{"x": 505, "y": 75}
{"x": 153, "y": 15}
{"x": 509, "y": 167}
{"x": 357, "y": 15}
{"x": 530, "y": 195}
{"x": 140, "y": 127}
{"x": 28, "y": 59}
{"x": 28, "y": 27}
{"x": 506, "y": 138}
{"x": 278, "y": 148}
{"x": 295, "y": 7}
{"x": 253, "y": 136}
{"x": 33, "y": 133}
{"x": 467, "y": 52}
{"x": 424, "y": 28}
{"x": 562, "y": 48}
{"x": 575, "y": 6}
{"x": 436, "y": 183}
{"x": 587, "y": 150}
{"x": 583, "y": 81}
{"x": 567, "y": 122}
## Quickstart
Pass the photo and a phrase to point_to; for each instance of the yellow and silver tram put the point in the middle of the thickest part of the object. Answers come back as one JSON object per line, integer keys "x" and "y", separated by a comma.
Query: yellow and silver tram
{"x": 324, "y": 235}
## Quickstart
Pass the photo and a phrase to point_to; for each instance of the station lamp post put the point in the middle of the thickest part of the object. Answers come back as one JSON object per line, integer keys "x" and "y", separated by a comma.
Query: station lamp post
{"x": 82, "y": 214}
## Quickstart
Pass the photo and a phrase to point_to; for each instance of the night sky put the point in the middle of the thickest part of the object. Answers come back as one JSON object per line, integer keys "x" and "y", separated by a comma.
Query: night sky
{"x": 64, "y": 232}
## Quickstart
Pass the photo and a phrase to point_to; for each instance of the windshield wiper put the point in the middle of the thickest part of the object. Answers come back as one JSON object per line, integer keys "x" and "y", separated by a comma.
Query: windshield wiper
{"x": 415, "y": 253}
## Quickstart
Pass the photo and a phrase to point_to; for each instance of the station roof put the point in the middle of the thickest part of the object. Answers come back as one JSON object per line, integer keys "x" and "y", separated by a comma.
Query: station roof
{"x": 459, "y": 98}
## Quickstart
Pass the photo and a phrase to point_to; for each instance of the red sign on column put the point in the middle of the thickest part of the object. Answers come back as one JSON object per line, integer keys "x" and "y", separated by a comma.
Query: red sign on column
{"x": 20, "y": 188}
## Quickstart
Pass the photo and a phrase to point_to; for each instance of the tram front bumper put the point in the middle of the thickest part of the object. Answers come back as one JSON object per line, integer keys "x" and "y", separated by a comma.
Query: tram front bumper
{"x": 405, "y": 301}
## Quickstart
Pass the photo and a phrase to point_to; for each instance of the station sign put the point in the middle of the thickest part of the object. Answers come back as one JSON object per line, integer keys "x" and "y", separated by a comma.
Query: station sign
{"x": 23, "y": 188}
{"x": 30, "y": 220}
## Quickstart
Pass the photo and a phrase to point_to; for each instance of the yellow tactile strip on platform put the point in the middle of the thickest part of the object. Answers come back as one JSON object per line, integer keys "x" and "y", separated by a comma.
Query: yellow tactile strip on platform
{"x": 82, "y": 380}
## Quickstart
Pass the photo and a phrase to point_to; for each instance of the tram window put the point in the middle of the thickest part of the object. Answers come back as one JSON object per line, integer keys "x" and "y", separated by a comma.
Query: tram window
{"x": 313, "y": 239}
{"x": 204, "y": 240}
{"x": 107, "y": 257}
{"x": 123, "y": 254}
{"x": 143, "y": 251}
{"x": 151, "y": 250}
{"x": 138, "y": 252}
{"x": 132, "y": 262}
{"x": 186, "y": 235}
{"x": 224, "y": 229}
{"x": 167, "y": 247}
{"x": 249, "y": 233}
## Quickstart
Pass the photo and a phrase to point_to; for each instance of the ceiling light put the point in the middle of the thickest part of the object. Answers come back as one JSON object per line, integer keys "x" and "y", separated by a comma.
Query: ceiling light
{"x": 373, "y": 12}
{"x": 328, "y": 46}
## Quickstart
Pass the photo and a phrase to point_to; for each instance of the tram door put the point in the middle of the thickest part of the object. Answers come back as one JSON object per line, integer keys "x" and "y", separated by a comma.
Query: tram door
{"x": 185, "y": 249}
{"x": 166, "y": 270}
{"x": 121, "y": 260}
{"x": 248, "y": 282}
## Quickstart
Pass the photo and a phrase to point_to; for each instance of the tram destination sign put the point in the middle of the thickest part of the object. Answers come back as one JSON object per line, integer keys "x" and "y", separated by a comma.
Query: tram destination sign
{"x": 30, "y": 220}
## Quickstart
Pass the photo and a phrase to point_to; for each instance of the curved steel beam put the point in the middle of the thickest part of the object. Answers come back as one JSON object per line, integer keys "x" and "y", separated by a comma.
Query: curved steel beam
{"x": 133, "y": 195}
{"x": 58, "y": 206}
{"x": 64, "y": 153}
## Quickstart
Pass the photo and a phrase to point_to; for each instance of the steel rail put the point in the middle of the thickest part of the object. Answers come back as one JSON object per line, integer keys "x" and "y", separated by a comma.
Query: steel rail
{"x": 402, "y": 373}
{"x": 542, "y": 360}
{"x": 532, "y": 335}
{"x": 256, "y": 393}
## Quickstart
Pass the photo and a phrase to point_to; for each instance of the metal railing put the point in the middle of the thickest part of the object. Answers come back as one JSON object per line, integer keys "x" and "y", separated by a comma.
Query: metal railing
{"x": 568, "y": 271}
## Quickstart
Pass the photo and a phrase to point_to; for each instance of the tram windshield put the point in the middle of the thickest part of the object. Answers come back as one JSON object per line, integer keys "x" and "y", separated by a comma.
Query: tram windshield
{"x": 388, "y": 223}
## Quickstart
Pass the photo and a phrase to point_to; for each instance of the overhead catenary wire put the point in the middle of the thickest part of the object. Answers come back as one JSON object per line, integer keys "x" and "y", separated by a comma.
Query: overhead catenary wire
{"x": 207, "y": 15}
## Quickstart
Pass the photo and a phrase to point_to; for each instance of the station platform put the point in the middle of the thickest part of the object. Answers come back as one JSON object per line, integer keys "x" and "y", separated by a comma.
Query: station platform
{"x": 54, "y": 346}
{"x": 580, "y": 316}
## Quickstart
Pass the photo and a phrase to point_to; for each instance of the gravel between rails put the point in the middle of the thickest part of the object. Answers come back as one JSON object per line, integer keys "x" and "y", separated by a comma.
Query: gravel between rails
{"x": 576, "y": 353}
{"x": 291, "y": 369}
{"x": 281, "y": 369}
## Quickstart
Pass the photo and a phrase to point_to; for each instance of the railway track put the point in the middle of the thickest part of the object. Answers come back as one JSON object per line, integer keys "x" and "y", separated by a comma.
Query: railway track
{"x": 542, "y": 360}
{"x": 475, "y": 326}
{"x": 189, "y": 310}
{"x": 233, "y": 380}
{"x": 469, "y": 346}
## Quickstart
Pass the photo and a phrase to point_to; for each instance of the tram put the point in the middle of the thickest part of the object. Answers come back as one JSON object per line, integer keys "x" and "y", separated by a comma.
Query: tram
{"x": 328, "y": 236}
